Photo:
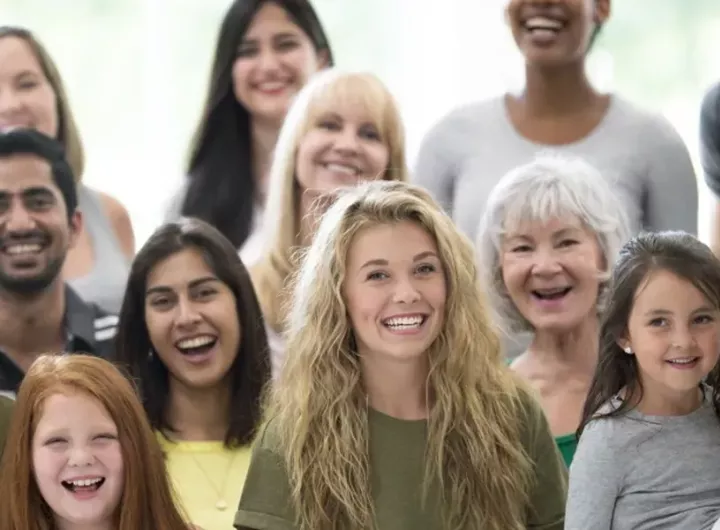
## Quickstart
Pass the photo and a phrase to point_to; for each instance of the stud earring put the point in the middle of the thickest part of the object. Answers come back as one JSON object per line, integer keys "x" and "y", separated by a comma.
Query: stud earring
{"x": 628, "y": 350}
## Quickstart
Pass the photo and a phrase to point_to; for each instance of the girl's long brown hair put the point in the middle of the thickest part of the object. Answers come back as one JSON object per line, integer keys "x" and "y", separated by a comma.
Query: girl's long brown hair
{"x": 147, "y": 502}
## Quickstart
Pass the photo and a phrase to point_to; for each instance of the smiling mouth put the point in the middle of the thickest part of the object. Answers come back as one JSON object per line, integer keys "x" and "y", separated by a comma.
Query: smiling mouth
{"x": 551, "y": 294}
{"x": 83, "y": 485}
{"x": 272, "y": 86}
{"x": 196, "y": 345}
{"x": 543, "y": 26}
{"x": 343, "y": 169}
{"x": 405, "y": 323}
{"x": 684, "y": 361}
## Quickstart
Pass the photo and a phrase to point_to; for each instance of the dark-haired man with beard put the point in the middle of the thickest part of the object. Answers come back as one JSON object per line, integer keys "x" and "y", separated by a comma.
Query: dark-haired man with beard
{"x": 39, "y": 222}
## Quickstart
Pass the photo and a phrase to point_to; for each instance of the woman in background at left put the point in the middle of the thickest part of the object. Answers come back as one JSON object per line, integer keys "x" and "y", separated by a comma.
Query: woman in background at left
{"x": 83, "y": 454}
{"x": 32, "y": 94}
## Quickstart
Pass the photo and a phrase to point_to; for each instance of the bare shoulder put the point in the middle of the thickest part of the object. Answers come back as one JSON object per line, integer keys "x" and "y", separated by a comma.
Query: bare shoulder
{"x": 120, "y": 221}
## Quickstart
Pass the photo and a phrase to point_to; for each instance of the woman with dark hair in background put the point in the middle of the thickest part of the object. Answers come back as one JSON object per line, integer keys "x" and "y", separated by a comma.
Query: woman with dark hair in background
{"x": 464, "y": 156}
{"x": 32, "y": 94}
{"x": 266, "y": 52}
{"x": 710, "y": 155}
{"x": 192, "y": 335}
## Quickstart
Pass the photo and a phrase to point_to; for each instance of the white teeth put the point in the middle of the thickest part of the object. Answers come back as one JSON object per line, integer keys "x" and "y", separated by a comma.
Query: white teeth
{"x": 274, "y": 85}
{"x": 404, "y": 322}
{"x": 341, "y": 168}
{"x": 555, "y": 290}
{"x": 196, "y": 342}
{"x": 543, "y": 23}
{"x": 85, "y": 482}
{"x": 22, "y": 249}
{"x": 687, "y": 360}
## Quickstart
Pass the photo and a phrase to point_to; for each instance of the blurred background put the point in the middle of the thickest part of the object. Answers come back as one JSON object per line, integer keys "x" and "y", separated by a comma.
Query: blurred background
{"x": 136, "y": 71}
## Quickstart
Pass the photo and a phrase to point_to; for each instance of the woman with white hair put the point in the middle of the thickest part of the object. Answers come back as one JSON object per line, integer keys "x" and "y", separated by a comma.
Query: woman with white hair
{"x": 395, "y": 410}
{"x": 343, "y": 128}
{"x": 547, "y": 241}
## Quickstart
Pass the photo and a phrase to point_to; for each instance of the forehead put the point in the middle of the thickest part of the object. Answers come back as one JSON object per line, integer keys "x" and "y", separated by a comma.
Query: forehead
{"x": 179, "y": 269}
{"x": 16, "y": 55}
{"x": 271, "y": 18}
{"x": 665, "y": 289}
{"x": 358, "y": 103}
{"x": 391, "y": 242}
{"x": 20, "y": 172}
{"x": 535, "y": 228}
{"x": 68, "y": 408}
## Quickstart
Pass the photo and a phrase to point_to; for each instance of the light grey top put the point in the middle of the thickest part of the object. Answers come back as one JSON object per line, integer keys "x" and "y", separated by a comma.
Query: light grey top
{"x": 464, "y": 156}
{"x": 640, "y": 472}
{"x": 105, "y": 284}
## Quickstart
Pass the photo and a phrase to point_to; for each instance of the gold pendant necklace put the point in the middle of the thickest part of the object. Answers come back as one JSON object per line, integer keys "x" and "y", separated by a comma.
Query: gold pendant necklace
{"x": 221, "y": 504}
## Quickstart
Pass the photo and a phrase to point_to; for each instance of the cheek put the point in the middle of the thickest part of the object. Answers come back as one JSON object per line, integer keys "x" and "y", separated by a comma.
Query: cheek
{"x": 44, "y": 105}
{"x": 303, "y": 61}
{"x": 157, "y": 328}
{"x": 307, "y": 151}
{"x": 379, "y": 156}
{"x": 513, "y": 275}
{"x": 46, "y": 467}
{"x": 240, "y": 70}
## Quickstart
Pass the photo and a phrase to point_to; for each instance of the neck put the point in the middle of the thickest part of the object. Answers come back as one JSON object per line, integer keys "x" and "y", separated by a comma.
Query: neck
{"x": 102, "y": 525}
{"x": 657, "y": 402}
{"x": 32, "y": 325}
{"x": 576, "y": 348}
{"x": 264, "y": 137}
{"x": 398, "y": 389}
{"x": 550, "y": 92}
{"x": 198, "y": 415}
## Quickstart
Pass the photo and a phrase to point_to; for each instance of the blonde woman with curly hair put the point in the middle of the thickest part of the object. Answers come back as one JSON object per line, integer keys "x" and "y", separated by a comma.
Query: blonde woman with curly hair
{"x": 395, "y": 410}
{"x": 343, "y": 128}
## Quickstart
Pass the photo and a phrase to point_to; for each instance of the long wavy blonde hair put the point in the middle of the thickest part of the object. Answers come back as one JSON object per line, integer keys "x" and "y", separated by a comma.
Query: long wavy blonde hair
{"x": 318, "y": 406}
{"x": 327, "y": 90}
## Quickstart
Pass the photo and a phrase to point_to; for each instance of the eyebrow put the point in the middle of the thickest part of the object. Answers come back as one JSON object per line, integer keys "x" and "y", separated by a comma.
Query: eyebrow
{"x": 35, "y": 191}
{"x": 385, "y": 263}
{"x": 667, "y": 312}
{"x": 194, "y": 283}
{"x": 277, "y": 36}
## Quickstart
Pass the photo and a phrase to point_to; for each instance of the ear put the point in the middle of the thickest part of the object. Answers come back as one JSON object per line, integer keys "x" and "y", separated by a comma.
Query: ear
{"x": 602, "y": 11}
{"x": 76, "y": 227}
{"x": 323, "y": 59}
{"x": 625, "y": 345}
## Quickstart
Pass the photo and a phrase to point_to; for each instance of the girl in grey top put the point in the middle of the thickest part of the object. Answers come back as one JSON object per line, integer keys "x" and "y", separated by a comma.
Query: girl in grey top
{"x": 464, "y": 156}
{"x": 650, "y": 433}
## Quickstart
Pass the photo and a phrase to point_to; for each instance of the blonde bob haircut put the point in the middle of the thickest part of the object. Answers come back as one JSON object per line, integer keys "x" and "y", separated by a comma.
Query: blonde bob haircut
{"x": 318, "y": 408}
{"x": 326, "y": 91}
{"x": 549, "y": 187}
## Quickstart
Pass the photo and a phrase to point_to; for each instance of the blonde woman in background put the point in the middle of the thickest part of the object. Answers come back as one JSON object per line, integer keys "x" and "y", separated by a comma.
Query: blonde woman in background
{"x": 395, "y": 410}
{"x": 343, "y": 128}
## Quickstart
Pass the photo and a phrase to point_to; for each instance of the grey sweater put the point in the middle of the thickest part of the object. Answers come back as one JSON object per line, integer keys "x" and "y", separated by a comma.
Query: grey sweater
{"x": 464, "y": 156}
{"x": 640, "y": 472}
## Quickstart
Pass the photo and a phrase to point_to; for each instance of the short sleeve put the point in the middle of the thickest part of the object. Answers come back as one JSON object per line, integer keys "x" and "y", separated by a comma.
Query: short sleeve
{"x": 266, "y": 503}
{"x": 549, "y": 491}
{"x": 6, "y": 408}
{"x": 710, "y": 138}
{"x": 596, "y": 478}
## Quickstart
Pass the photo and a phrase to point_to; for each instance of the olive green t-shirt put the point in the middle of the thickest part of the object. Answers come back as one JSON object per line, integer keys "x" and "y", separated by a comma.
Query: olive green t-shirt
{"x": 397, "y": 462}
{"x": 6, "y": 408}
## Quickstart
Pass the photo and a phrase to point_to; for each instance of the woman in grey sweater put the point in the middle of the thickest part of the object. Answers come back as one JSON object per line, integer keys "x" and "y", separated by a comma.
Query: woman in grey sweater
{"x": 650, "y": 435}
{"x": 464, "y": 156}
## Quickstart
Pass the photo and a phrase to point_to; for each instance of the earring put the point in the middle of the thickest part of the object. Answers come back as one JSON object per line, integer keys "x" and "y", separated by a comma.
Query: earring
{"x": 628, "y": 350}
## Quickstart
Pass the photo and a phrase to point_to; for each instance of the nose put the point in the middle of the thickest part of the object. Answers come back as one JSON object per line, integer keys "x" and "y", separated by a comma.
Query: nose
{"x": 346, "y": 140}
{"x": 268, "y": 60}
{"x": 9, "y": 101}
{"x": 682, "y": 338}
{"x": 19, "y": 219}
{"x": 80, "y": 456}
{"x": 545, "y": 262}
{"x": 187, "y": 314}
{"x": 405, "y": 292}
